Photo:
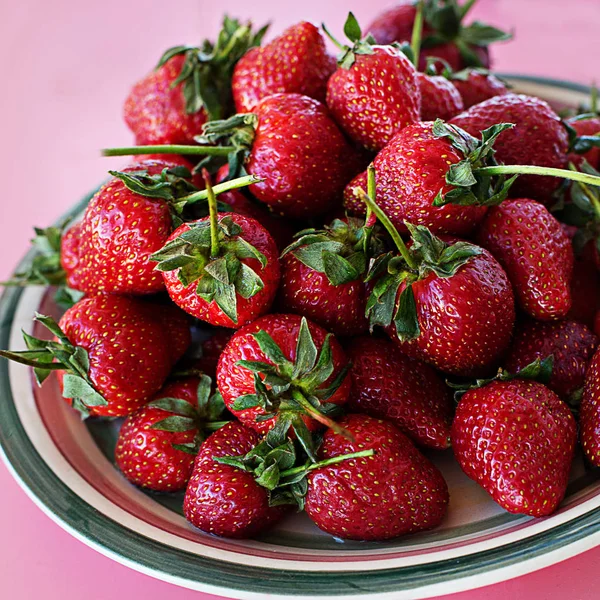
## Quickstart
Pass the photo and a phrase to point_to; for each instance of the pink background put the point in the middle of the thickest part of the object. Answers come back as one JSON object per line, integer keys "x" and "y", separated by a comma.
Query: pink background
{"x": 66, "y": 67}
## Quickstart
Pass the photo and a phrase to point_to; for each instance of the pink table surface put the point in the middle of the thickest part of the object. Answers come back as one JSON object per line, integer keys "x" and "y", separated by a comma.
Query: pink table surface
{"x": 66, "y": 67}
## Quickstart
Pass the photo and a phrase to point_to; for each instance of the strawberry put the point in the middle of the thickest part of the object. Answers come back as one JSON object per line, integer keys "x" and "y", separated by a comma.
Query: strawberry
{"x": 538, "y": 138}
{"x": 449, "y": 304}
{"x": 536, "y": 253}
{"x": 589, "y": 412}
{"x": 477, "y": 85}
{"x": 571, "y": 344}
{"x": 423, "y": 166}
{"x": 222, "y": 269}
{"x": 587, "y": 124}
{"x": 211, "y": 350}
{"x": 116, "y": 353}
{"x": 189, "y": 86}
{"x": 374, "y": 93}
{"x": 283, "y": 368}
{"x": 585, "y": 291}
{"x": 516, "y": 439}
{"x": 408, "y": 393}
{"x": 394, "y": 492}
{"x": 296, "y": 62}
{"x": 225, "y": 500}
{"x": 322, "y": 275}
{"x": 444, "y": 34}
{"x": 158, "y": 443}
{"x": 439, "y": 98}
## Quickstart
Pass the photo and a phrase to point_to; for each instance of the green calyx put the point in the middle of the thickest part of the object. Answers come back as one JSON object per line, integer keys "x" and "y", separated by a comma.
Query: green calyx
{"x": 341, "y": 250}
{"x": 207, "y": 70}
{"x": 292, "y": 390}
{"x": 472, "y": 185}
{"x": 281, "y": 468}
{"x": 539, "y": 370}
{"x": 204, "y": 419}
{"x": 46, "y": 356}
{"x": 427, "y": 254}
{"x": 444, "y": 18}
{"x": 360, "y": 44}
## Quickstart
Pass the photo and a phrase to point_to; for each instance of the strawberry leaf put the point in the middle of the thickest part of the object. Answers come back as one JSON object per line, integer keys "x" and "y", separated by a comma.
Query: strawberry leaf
{"x": 405, "y": 318}
{"x": 175, "y": 423}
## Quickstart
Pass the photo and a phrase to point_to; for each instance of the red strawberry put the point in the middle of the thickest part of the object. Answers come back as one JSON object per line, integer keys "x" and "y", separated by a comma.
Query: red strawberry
{"x": 322, "y": 275}
{"x": 413, "y": 172}
{"x": 223, "y": 499}
{"x": 116, "y": 353}
{"x": 69, "y": 255}
{"x": 589, "y": 412}
{"x": 226, "y": 276}
{"x": 285, "y": 367}
{"x": 374, "y": 93}
{"x": 211, "y": 351}
{"x": 394, "y": 492}
{"x": 158, "y": 443}
{"x": 476, "y": 86}
{"x": 536, "y": 253}
{"x": 189, "y": 86}
{"x": 585, "y": 291}
{"x": 388, "y": 385}
{"x": 538, "y": 138}
{"x": 587, "y": 125}
{"x": 464, "y": 46}
{"x": 439, "y": 98}
{"x": 295, "y": 62}
{"x": 516, "y": 439}
{"x": 571, "y": 344}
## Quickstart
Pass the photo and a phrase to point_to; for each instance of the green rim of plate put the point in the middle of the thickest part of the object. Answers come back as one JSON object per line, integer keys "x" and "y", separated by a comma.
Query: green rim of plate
{"x": 164, "y": 561}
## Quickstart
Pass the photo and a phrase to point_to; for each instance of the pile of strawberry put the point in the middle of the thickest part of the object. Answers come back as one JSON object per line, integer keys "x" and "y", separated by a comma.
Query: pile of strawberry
{"x": 370, "y": 259}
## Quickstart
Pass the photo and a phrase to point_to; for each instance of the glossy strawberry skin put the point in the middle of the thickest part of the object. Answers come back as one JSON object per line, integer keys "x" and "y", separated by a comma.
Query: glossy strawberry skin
{"x": 588, "y": 126}
{"x": 211, "y": 351}
{"x": 376, "y": 97}
{"x": 572, "y": 345}
{"x": 439, "y": 98}
{"x": 224, "y": 500}
{"x": 536, "y": 253}
{"x": 248, "y": 309}
{"x": 309, "y": 293}
{"x": 302, "y": 156}
{"x": 516, "y": 439}
{"x": 146, "y": 456}
{"x": 466, "y": 320}
{"x": 394, "y": 492}
{"x": 69, "y": 255}
{"x": 155, "y": 110}
{"x": 478, "y": 87}
{"x": 585, "y": 291}
{"x": 389, "y": 385}
{"x": 130, "y": 350}
{"x": 410, "y": 172}
{"x": 234, "y": 381}
{"x": 296, "y": 62}
{"x": 538, "y": 138}
{"x": 589, "y": 412}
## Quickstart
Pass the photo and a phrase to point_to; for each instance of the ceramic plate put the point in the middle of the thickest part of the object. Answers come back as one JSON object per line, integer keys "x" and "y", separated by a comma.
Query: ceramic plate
{"x": 66, "y": 467}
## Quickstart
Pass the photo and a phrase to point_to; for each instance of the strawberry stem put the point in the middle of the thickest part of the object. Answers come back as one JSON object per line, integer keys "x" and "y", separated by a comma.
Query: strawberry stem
{"x": 535, "y": 170}
{"x": 226, "y": 186}
{"x": 466, "y": 7}
{"x": 337, "y": 44}
{"x": 317, "y": 415}
{"x": 417, "y": 32}
{"x": 594, "y": 99}
{"x": 327, "y": 462}
{"x": 169, "y": 149}
{"x": 213, "y": 215}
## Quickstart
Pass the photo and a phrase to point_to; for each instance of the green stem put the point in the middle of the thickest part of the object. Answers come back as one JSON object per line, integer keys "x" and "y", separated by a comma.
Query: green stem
{"x": 214, "y": 425}
{"x": 330, "y": 36}
{"x": 213, "y": 215}
{"x": 389, "y": 226}
{"x": 371, "y": 190}
{"x": 594, "y": 99}
{"x": 226, "y": 186}
{"x": 21, "y": 357}
{"x": 535, "y": 170}
{"x": 327, "y": 462}
{"x": 417, "y": 33}
{"x": 317, "y": 415}
{"x": 466, "y": 7}
{"x": 169, "y": 149}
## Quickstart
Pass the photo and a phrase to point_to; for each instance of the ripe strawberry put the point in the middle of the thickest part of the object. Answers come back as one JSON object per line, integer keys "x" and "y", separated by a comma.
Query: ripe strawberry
{"x": 444, "y": 35}
{"x": 211, "y": 350}
{"x": 419, "y": 168}
{"x": 116, "y": 353}
{"x": 189, "y": 86}
{"x": 516, "y": 438}
{"x": 374, "y": 93}
{"x": 477, "y": 85}
{"x": 222, "y": 499}
{"x": 296, "y": 62}
{"x": 571, "y": 344}
{"x": 586, "y": 125}
{"x": 322, "y": 275}
{"x": 585, "y": 291}
{"x": 158, "y": 443}
{"x": 536, "y": 253}
{"x": 538, "y": 138}
{"x": 283, "y": 368}
{"x": 439, "y": 98}
{"x": 394, "y": 492}
{"x": 388, "y": 385}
